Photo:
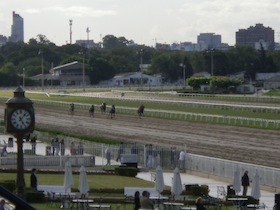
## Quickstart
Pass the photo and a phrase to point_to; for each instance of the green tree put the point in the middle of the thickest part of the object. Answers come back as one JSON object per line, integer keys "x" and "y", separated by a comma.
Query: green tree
{"x": 101, "y": 69}
{"x": 9, "y": 69}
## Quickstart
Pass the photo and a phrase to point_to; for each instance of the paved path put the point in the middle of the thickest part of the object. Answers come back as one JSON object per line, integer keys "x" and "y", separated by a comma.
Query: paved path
{"x": 266, "y": 197}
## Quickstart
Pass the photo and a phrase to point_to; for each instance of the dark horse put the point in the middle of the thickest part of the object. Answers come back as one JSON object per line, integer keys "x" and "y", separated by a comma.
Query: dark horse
{"x": 112, "y": 111}
{"x": 103, "y": 107}
{"x": 91, "y": 111}
{"x": 140, "y": 110}
{"x": 71, "y": 109}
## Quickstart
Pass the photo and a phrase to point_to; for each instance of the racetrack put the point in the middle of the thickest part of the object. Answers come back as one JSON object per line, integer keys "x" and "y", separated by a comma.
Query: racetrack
{"x": 228, "y": 142}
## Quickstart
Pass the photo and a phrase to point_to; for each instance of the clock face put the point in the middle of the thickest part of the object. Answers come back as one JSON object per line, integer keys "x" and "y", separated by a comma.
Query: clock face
{"x": 20, "y": 119}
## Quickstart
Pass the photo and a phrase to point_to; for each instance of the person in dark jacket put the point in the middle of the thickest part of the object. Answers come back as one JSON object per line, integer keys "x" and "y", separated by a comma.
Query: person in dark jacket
{"x": 199, "y": 204}
{"x": 33, "y": 179}
{"x": 137, "y": 200}
{"x": 145, "y": 201}
{"x": 245, "y": 182}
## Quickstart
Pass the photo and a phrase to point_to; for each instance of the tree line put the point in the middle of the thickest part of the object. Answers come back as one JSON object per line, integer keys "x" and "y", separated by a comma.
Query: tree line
{"x": 119, "y": 55}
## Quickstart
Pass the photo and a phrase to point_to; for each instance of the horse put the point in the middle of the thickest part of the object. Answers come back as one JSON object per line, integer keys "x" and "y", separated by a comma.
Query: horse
{"x": 91, "y": 111}
{"x": 112, "y": 111}
{"x": 71, "y": 109}
{"x": 103, "y": 108}
{"x": 140, "y": 110}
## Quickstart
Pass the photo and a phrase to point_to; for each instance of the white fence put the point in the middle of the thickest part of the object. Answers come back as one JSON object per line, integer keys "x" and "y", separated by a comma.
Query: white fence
{"x": 189, "y": 116}
{"x": 269, "y": 176}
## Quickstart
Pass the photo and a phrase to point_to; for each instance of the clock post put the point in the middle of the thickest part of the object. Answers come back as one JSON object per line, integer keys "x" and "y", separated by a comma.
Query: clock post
{"x": 19, "y": 121}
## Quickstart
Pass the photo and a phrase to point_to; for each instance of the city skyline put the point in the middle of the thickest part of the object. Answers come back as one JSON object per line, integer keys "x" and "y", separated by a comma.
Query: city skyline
{"x": 145, "y": 22}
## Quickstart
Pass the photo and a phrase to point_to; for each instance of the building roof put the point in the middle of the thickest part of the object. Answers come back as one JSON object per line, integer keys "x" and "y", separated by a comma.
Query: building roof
{"x": 126, "y": 74}
{"x": 68, "y": 66}
{"x": 273, "y": 79}
{"x": 46, "y": 76}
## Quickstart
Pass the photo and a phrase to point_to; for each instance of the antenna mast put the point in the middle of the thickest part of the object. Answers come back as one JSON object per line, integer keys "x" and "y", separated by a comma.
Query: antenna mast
{"x": 70, "y": 23}
{"x": 87, "y": 36}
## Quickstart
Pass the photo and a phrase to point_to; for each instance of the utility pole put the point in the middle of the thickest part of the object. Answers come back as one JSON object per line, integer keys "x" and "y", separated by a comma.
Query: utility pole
{"x": 184, "y": 75}
{"x": 141, "y": 67}
{"x": 42, "y": 67}
{"x": 23, "y": 77}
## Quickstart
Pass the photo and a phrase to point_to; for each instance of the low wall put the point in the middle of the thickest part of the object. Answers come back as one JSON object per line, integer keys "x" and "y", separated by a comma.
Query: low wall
{"x": 50, "y": 160}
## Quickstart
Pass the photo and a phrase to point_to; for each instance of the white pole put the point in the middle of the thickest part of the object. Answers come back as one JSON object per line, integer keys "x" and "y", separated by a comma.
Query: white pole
{"x": 83, "y": 71}
{"x": 23, "y": 75}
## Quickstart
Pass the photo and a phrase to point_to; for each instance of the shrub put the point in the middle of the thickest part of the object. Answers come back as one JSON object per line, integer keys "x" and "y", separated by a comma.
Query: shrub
{"x": 9, "y": 185}
{"x": 197, "y": 190}
{"x": 33, "y": 196}
{"x": 126, "y": 171}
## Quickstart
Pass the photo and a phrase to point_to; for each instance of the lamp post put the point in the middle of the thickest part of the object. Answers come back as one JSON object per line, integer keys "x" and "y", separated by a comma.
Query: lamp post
{"x": 83, "y": 72}
{"x": 141, "y": 67}
{"x": 23, "y": 75}
{"x": 42, "y": 67}
{"x": 184, "y": 74}
{"x": 83, "y": 54}
{"x": 212, "y": 62}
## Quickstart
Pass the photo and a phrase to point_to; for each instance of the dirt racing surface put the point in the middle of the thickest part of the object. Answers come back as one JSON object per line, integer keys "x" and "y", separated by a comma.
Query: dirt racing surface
{"x": 228, "y": 142}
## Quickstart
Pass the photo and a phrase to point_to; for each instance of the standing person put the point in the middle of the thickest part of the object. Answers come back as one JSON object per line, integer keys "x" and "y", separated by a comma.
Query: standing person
{"x": 33, "y": 179}
{"x": 56, "y": 146}
{"x": 2, "y": 204}
{"x": 120, "y": 151}
{"x": 4, "y": 151}
{"x": 173, "y": 157}
{"x": 62, "y": 147}
{"x": 72, "y": 148}
{"x": 182, "y": 160}
{"x": 150, "y": 156}
{"x": 108, "y": 156}
{"x": 33, "y": 145}
{"x": 245, "y": 182}
{"x": 199, "y": 204}
{"x": 53, "y": 146}
{"x": 133, "y": 149}
{"x": 137, "y": 200}
{"x": 145, "y": 201}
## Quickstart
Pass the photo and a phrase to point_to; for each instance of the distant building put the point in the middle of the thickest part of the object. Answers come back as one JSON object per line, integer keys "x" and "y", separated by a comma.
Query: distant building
{"x": 17, "y": 29}
{"x": 87, "y": 44}
{"x": 70, "y": 74}
{"x": 133, "y": 78}
{"x": 182, "y": 46}
{"x": 272, "y": 83}
{"x": 3, "y": 40}
{"x": 160, "y": 46}
{"x": 255, "y": 36}
{"x": 201, "y": 74}
{"x": 212, "y": 40}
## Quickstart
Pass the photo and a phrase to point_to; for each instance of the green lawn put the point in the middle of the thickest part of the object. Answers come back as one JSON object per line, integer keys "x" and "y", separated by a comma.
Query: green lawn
{"x": 95, "y": 181}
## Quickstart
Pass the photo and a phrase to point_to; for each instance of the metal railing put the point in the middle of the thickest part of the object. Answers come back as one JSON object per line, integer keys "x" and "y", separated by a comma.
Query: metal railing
{"x": 148, "y": 156}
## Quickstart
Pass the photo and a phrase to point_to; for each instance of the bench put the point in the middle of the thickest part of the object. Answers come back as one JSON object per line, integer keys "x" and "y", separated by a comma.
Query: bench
{"x": 130, "y": 191}
{"x": 53, "y": 189}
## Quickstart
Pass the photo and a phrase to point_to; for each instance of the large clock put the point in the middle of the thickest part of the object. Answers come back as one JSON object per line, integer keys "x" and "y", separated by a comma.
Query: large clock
{"x": 21, "y": 119}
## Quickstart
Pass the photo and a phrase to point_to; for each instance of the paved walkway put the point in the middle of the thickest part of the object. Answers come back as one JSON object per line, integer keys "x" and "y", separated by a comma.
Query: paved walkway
{"x": 266, "y": 197}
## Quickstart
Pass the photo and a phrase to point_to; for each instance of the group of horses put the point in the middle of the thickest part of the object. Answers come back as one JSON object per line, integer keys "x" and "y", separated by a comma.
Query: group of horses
{"x": 112, "y": 112}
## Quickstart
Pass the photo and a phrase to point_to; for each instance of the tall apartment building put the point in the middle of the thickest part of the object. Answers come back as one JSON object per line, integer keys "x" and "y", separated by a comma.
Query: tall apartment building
{"x": 17, "y": 29}
{"x": 211, "y": 39}
{"x": 3, "y": 40}
{"x": 254, "y": 35}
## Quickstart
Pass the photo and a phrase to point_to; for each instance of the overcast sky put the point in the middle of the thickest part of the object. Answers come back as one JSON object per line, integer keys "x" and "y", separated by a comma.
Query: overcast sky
{"x": 143, "y": 21}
